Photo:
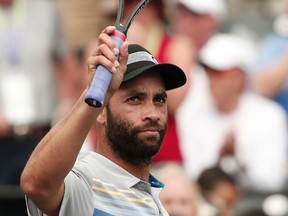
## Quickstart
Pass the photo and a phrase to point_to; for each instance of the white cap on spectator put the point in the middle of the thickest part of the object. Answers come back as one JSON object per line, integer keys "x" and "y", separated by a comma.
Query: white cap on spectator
{"x": 225, "y": 51}
{"x": 215, "y": 8}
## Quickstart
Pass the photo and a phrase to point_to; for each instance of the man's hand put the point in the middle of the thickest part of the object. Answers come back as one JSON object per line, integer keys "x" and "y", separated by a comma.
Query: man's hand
{"x": 105, "y": 54}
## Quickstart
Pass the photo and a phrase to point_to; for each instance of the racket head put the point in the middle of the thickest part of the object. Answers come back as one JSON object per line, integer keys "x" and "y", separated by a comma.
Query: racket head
{"x": 123, "y": 27}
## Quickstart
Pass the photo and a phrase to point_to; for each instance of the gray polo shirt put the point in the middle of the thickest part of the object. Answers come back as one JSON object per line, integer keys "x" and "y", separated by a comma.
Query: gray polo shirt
{"x": 97, "y": 186}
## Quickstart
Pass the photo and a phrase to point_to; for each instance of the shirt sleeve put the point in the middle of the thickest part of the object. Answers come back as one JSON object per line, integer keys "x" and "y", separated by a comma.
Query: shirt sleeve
{"x": 32, "y": 209}
{"x": 77, "y": 200}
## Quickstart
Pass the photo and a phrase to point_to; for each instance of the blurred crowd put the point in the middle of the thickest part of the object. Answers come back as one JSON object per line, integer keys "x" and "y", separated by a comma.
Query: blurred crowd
{"x": 225, "y": 152}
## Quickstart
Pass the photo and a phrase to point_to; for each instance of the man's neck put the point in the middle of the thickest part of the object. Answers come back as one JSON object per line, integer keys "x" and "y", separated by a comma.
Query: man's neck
{"x": 138, "y": 170}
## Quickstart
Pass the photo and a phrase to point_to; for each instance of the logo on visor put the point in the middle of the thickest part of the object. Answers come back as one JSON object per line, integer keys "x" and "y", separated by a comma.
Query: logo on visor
{"x": 141, "y": 56}
{"x": 154, "y": 59}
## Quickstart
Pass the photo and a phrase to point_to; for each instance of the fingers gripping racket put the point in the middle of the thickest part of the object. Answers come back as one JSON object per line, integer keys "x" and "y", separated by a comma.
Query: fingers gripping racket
{"x": 101, "y": 80}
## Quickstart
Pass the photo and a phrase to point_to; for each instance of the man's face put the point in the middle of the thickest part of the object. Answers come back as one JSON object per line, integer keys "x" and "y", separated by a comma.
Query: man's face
{"x": 198, "y": 27}
{"x": 224, "y": 197}
{"x": 178, "y": 197}
{"x": 137, "y": 118}
{"x": 226, "y": 87}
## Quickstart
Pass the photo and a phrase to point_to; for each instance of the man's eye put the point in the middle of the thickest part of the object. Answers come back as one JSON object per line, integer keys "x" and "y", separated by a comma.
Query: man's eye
{"x": 134, "y": 99}
{"x": 160, "y": 100}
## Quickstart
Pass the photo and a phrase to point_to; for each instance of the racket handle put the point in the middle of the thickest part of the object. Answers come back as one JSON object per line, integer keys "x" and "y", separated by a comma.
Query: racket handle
{"x": 102, "y": 78}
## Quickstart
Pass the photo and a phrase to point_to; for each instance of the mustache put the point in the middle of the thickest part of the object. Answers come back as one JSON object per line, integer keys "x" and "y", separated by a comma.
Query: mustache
{"x": 149, "y": 125}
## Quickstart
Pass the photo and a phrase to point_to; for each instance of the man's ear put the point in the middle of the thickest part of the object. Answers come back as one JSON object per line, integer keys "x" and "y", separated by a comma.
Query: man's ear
{"x": 101, "y": 118}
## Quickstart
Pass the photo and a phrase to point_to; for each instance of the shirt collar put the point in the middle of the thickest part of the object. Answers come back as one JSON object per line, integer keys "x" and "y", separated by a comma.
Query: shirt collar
{"x": 124, "y": 175}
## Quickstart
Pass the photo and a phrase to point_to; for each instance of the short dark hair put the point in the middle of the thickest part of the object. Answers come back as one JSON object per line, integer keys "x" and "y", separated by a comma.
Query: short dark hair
{"x": 210, "y": 177}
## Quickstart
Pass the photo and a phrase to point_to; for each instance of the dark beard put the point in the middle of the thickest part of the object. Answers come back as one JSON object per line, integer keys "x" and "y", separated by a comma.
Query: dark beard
{"x": 127, "y": 145}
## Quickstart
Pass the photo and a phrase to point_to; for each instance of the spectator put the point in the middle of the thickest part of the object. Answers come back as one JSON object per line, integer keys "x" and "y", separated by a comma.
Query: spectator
{"x": 231, "y": 124}
{"x": 219, "y": 191}
{"x": 271, "y": 66}
{"x": 199, "y": 20}
{"x": 35, "y": 71}
{"x": 180, "y": 196}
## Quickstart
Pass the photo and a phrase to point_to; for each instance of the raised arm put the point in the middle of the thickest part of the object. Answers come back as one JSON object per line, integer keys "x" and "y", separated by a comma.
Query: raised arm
{"x": 43, "y": 177}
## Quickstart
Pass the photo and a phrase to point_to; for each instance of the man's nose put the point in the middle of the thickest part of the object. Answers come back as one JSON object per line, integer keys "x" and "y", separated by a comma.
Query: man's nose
{"x": 151, "y": 112}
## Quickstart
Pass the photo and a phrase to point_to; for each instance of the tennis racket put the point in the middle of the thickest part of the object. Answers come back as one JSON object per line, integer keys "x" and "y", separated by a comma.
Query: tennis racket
{"x": 101, "y": 80}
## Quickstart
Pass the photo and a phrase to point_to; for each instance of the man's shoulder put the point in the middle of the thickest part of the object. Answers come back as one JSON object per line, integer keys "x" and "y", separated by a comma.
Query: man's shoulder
{"x": 89, "y": 159}
{"x": 95, "y": 165}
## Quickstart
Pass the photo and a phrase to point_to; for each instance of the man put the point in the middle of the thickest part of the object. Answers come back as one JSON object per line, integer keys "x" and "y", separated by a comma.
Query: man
{"x": 237, "y": 128}
{"x": 199, "y": 20}
{"x": 131, "y": 126}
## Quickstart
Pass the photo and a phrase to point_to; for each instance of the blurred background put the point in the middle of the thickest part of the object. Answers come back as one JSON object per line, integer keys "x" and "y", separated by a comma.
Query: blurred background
{"x": 253, "y": 17}
{"x": 53, "y": 40}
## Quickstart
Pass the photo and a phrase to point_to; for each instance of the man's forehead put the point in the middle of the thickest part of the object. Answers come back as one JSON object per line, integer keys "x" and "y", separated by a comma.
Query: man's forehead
{"x": 223, "y": 73}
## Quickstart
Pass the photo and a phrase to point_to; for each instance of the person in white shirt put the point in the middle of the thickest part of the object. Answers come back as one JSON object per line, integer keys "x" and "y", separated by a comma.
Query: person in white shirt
{"x": 243, "y": 132}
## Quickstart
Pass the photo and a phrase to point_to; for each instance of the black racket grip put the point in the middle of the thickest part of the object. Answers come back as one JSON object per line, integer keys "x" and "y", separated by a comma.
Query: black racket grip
{"x": 97, "y": 90}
